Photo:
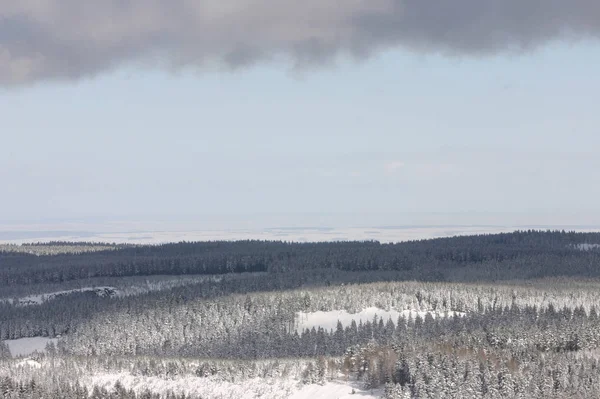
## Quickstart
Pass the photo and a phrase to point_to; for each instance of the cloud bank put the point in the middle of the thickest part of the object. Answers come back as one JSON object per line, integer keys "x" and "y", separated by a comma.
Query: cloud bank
{"x": 71, "y": 39}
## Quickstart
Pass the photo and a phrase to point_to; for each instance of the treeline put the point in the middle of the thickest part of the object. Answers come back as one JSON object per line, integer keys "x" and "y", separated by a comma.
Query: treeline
{"x": 56, "y": 248}
{"x": 523, "y": 254}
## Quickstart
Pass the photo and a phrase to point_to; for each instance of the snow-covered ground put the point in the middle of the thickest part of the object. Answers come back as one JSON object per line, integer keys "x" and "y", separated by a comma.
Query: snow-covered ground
{"x": 27, "y": 346}
{"x": 336, "y": 390}
{"x": 329, "y": 320}
{"x": 214, "y": 388}
{"x": 39, "y": 299}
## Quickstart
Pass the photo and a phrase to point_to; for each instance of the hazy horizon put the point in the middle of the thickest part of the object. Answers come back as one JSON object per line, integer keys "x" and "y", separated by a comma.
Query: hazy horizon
{"x": 298, "y": 227}
{"x": 361, "y": 114}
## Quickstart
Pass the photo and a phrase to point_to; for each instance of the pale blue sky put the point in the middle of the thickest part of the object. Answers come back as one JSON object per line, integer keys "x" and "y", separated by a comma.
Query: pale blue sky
{"x": 372, "y": 141}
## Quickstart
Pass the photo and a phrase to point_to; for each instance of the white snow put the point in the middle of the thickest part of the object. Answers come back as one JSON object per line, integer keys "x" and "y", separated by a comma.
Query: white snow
{"x": 214, "y": 388}
{"x": 27, "y": 346}
{"x": 210, "y": 388}
{"x": 29, "y": 363}
{"x": 329, "y": 320}
{"x": 336, "y": 390}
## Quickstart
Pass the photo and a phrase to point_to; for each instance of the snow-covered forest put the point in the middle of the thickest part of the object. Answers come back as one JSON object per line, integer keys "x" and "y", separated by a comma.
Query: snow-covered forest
{"x": 513, "y": 315}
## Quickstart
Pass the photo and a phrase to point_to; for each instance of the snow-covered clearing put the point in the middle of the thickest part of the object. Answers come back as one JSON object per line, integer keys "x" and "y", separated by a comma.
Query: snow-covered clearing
{"x": 329, "y": 320}
{"x": 27, "y": 346}
{"x": 203, "y": 387}
{"x": 39, "y": 299}
{"x": 215, "y": 388}
{"x": 336, "y": 390}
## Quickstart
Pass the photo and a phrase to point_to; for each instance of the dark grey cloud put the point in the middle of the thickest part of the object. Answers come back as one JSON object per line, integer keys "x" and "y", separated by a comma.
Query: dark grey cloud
{"x": 71, "y": 39}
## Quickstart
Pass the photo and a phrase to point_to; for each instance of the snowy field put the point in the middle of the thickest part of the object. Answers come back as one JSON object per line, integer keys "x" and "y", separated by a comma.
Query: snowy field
{"x": 27, "y": 346}
{"x": 214, "y": 388}
{"x": 336, "y": 390}
{"x": 329, "y": 320}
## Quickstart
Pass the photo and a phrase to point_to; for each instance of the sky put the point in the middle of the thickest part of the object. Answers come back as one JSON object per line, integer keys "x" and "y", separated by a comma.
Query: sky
{"x": 358, "y": 116}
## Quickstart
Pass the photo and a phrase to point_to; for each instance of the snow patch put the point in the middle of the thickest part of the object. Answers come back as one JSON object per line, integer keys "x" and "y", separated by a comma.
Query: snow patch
{"x": 29, "y": 363}
{"x": 28, "y": 346}
{"x": 329, "y": 320}
{"x": 336, "y": 390}
{"x": 213, "y": 388}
